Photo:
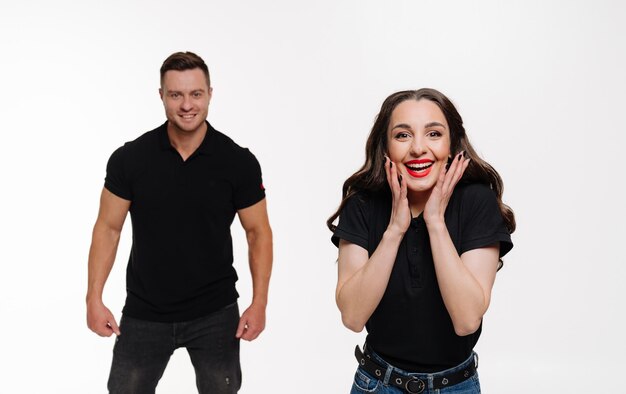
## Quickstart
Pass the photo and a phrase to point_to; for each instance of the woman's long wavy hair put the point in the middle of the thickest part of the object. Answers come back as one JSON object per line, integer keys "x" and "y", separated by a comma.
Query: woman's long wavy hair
{"x": 372, "y": 177}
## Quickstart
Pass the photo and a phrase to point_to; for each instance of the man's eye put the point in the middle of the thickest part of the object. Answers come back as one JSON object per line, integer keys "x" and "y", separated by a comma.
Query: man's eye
{"x": 174, "y": 95}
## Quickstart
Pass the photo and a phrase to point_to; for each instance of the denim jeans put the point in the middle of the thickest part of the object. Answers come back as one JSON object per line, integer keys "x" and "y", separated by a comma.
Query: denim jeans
{"x": 143, "y": 350}
{"x": 366, "y": 383}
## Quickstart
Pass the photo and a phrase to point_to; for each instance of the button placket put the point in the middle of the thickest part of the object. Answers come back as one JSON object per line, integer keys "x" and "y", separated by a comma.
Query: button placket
{"x": 413, "y": 255}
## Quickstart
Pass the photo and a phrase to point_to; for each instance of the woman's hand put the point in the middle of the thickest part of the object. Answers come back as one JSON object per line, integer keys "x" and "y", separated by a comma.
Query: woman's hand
{"x": 362, "y": 279}
{"x": 440, "y": 196}
{"x": 400, "y": 211}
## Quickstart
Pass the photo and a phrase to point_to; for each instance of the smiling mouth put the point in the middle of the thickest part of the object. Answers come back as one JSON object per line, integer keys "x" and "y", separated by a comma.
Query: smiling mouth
{"x": 419, "y": 169}
{"x": 188, "y": 116}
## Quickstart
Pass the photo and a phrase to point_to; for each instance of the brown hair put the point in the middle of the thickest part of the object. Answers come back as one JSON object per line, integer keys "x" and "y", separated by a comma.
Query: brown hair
{"x": 181, "y": 61}
{"x": 372, "y": 177}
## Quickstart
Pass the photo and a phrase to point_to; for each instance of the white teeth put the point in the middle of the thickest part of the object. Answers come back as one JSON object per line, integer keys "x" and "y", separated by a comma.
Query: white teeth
{"x": 418, "y": 167}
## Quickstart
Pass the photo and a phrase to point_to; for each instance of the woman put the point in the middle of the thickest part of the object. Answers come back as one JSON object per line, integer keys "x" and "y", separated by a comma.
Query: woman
{"x": 421, "y": 231}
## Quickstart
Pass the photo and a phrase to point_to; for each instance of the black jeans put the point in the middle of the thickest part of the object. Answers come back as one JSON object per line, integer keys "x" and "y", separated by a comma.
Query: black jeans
{"x": 143, "y": 350}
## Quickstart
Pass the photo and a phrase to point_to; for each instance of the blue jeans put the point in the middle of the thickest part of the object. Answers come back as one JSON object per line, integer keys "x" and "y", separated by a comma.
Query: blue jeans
{"x": 143, "y": 350}
{"x": 366, "y": 383}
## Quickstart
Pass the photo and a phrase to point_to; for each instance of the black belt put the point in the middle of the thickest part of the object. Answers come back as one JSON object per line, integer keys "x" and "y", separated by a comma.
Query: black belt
{"x": 411, "y": 384}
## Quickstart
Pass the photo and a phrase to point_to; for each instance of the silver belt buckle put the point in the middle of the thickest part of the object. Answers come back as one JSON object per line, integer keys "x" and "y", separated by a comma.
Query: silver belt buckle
{"x": 420, "y": 385}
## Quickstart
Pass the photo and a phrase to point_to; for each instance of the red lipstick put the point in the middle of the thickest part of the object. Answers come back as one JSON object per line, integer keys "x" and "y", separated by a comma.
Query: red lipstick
{"x": 419, "y": 168}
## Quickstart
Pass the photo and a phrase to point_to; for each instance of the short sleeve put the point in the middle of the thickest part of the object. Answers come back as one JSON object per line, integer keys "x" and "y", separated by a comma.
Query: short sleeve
{"x": 250, "y": 189}
{"x": 483, "y": 224}
{"x": 353, "y": 223}
{"x": 116, "y": 180}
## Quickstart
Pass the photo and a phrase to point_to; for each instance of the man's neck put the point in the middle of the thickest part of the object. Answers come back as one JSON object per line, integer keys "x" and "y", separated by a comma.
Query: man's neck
{"x": 186, "y": 142}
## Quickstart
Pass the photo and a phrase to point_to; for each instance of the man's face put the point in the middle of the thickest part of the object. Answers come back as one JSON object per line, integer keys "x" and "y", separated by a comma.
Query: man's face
{"x": 186, "y": 98}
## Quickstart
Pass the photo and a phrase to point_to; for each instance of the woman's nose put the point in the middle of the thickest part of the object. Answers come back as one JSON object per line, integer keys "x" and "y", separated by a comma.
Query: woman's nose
{"x": 418, "y": 147}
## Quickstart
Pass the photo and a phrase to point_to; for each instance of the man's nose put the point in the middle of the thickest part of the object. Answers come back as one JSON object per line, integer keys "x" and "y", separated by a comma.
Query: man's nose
{"x": 186, "y": 104}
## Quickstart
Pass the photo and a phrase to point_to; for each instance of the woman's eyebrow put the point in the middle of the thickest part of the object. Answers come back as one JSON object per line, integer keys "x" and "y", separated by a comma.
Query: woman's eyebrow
{"x": 427, "y": 125}
{"x": 401, "y": 126}
{"x": 434, "y": 124}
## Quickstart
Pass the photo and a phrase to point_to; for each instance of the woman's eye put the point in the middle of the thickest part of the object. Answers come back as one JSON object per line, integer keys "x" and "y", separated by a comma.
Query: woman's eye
{"x": 402, "y": 135}
{"x": 434, "y": 134}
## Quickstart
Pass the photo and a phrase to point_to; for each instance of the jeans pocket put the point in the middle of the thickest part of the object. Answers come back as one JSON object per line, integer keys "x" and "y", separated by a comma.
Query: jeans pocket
{"x": 476, "y": 382}
{"x": 364, "y": 383}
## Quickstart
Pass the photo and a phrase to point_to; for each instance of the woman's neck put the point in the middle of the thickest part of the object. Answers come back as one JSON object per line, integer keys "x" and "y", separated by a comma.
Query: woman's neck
{"x": 417, "y": 201}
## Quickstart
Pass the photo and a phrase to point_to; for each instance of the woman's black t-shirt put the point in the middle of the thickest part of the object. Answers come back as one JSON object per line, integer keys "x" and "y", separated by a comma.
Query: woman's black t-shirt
{"x": 411, "y": 327}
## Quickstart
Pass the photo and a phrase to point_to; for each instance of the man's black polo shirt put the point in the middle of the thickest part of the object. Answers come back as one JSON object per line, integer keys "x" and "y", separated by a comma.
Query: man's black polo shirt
{"x": 411, "y": 327}
{"x": 180, "y": 266}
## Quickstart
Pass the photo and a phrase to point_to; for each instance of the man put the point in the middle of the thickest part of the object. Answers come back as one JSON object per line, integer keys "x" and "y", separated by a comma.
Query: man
{"x": 182, "y": 183}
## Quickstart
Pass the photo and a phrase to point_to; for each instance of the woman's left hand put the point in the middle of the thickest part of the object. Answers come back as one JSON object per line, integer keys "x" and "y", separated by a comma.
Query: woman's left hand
{"x": 440, "y": 196}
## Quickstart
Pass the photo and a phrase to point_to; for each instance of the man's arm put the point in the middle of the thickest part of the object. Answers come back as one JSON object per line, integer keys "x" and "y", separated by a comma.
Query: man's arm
{"x": 259, "y": 235}
{"x": 104, "y": 241}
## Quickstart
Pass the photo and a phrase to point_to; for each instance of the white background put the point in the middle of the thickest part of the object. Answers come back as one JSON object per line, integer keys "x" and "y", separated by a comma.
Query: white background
{"x": 540, "y": 85}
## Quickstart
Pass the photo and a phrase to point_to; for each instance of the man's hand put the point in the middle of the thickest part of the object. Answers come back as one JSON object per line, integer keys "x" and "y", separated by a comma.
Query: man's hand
{"x": 105, "y": 238}
{"x": 259, "y": 235}
{"x": 251, "y": 323}
{"x": 100, "y": 319}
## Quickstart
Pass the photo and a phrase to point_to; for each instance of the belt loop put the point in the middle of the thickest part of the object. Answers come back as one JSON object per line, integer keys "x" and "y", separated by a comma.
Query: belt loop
{"x": 388, "y": 375}
{"x": 475, "y": 360}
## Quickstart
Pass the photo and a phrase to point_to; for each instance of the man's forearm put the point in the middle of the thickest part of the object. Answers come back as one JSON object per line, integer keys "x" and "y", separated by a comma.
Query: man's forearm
{"x": 101, "y": 258}
{"x": 260, "y": 259}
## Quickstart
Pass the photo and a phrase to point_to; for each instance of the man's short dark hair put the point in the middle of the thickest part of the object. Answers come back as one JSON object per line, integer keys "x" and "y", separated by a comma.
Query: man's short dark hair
{"x": 181, "y": 61}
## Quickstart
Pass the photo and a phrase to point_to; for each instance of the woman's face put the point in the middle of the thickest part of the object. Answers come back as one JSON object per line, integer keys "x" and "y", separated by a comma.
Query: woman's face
{"x": 418, "y": 140}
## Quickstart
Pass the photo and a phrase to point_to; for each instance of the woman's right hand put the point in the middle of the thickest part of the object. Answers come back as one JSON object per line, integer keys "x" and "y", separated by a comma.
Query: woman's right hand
{"x": 362, "y": 279}
{"x": 400, "y": 210}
